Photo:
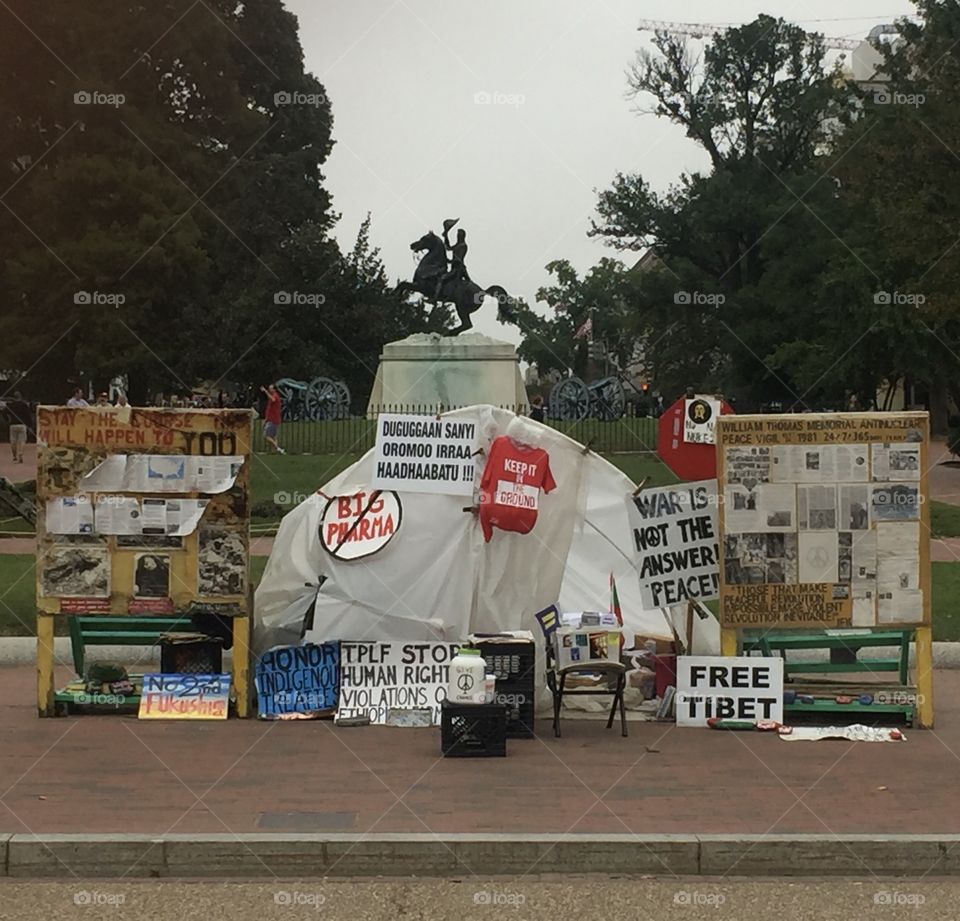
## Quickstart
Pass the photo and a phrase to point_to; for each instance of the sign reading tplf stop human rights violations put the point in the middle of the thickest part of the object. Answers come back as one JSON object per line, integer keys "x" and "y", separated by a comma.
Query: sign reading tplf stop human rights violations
{"x": 425, "y": 454}
{"x": 675, "y": 540}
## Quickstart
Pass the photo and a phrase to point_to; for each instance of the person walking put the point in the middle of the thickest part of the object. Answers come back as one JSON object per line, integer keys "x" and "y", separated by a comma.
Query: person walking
{"x": 272, "y": 416}
{"x": 18, "y": 415}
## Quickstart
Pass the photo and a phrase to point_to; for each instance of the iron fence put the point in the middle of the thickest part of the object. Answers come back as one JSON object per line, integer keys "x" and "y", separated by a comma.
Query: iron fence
{"x": 356, "y": 434}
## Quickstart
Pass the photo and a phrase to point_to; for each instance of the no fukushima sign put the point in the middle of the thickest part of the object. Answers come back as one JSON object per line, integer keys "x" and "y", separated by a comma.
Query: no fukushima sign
{"x": 675, "y": 539}
{"x": 425, "y": 454}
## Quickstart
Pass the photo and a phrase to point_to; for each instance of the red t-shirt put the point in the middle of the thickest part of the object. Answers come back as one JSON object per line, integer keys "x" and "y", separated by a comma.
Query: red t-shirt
{"x": 273, "y": 411}
{"x": 510, "y": 486}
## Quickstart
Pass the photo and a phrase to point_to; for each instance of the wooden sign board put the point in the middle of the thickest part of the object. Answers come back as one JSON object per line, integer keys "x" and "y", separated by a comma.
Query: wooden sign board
{"x": 142, "y": 510}
{"x": 824, "y": 520}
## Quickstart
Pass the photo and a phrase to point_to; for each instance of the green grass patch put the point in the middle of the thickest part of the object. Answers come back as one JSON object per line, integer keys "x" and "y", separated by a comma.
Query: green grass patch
{"x": 944, "y": 519}
{"x": 17, "y": 595}
{"x": 945, "y": 601}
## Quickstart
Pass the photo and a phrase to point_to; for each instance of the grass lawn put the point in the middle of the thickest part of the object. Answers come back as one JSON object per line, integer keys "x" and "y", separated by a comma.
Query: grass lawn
{"x": 944, "y": 519}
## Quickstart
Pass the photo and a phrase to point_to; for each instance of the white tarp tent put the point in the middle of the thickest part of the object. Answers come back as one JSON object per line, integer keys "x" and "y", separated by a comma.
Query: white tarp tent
{"x": 437, "y": 580}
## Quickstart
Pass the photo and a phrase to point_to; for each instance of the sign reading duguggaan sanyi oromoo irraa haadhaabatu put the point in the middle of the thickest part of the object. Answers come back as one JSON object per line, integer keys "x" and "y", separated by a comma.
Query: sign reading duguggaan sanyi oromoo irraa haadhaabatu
{"x": 379, "y": 677}
{"x": 427, "y": 454}
{"x": 728, "y": 687}
{"x": 675, "y": 539}
{"x": 298, "y": 680}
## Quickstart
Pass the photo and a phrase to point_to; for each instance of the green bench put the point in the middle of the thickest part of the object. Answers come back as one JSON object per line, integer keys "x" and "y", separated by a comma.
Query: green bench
{"x": 844, "y": 648}
{"x": 112, "y": 630}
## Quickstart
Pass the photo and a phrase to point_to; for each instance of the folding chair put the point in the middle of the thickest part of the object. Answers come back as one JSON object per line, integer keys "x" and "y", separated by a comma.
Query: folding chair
{"x": 615, "y": 674}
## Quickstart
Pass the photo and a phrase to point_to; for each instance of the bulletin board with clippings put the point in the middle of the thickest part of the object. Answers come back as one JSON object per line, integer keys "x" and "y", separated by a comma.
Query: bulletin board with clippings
{"x": 824, "y": 522}
{"x": 143, "y": 512}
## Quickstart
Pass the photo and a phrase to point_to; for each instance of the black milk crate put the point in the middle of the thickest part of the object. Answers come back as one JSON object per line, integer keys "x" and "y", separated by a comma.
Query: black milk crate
{"x": 518, "y": 698}
{"x": 513, "y": 661}
{"x": 196, "y": 657}
{"x": 473, "y": 730}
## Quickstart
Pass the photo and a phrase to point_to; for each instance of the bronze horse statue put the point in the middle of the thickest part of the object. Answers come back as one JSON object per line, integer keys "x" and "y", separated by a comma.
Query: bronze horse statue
{"x": 465, "y": 295}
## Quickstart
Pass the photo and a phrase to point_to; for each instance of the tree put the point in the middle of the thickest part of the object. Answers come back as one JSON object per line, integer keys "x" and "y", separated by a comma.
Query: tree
{"x": 762, "y": 104}
{"x": 182, "y": 193}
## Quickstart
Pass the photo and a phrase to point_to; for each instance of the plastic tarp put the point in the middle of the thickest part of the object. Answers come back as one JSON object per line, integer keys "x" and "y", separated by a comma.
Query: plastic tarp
{"x": 437, "y": 579}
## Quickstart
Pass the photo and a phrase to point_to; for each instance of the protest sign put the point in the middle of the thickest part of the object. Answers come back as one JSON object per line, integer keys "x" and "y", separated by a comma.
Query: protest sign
{"x": 425, "y": 454}
{"x": 352, "y": 527}
{"x": 675, "y": 538}
{"x": 700, "y": 420}
{"x": 298, "y": 680}
{"x": 185, "y": 697}
{"x": 728, "y": 687}
{"x": 379, "y": 677}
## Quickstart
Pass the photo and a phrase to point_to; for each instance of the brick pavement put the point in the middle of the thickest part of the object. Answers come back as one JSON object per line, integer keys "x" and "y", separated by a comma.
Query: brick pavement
{"x": 115, "y": 774}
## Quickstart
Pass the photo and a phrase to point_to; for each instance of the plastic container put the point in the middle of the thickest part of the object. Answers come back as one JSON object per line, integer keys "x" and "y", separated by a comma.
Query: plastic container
{"x": 468, "y": 674}
{"x": 489, "y": 688}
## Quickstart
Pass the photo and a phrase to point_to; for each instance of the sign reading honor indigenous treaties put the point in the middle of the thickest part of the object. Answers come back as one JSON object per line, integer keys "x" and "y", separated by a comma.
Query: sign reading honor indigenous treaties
{"x": 298, "y": 680}
{"x": 425, "y": 454}
{"x": 675, "y": 538}
{"x": 825, "y": 520}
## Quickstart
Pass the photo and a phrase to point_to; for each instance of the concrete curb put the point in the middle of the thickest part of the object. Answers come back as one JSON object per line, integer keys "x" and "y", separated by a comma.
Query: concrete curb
{"x": 22, "y": 650}
{"x": 458, "y": 855}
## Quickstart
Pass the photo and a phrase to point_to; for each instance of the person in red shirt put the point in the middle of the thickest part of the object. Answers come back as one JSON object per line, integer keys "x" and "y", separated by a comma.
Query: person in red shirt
{"x": 272, "y": 415}
{"x": 510, "y": 486}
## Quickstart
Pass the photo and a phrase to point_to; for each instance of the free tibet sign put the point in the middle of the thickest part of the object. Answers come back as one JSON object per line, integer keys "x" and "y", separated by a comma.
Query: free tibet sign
{"x": 675, "y": 543}
{"x": 728, "y": 687}
{"x": 352, "y": 527}
{"x": 425, "y": 454}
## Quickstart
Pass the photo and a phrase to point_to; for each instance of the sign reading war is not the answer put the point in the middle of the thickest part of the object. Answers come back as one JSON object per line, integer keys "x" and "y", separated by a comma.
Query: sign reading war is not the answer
{"x": 298, "y": 680}
{"x": 379, "y": 677}
{"x": 728, "y": 687}
{"x": 425, "y": 454}
{"x": 675, "y": 540}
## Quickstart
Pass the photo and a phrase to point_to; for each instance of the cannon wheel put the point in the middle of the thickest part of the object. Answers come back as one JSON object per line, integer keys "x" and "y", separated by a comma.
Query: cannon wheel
{"x": 321, "y": 400}
{"x": 343, "y": 396}
{"x": 570, "y": 400}
{"x": 291, "y": 395}
{"x": 607, "y": 399}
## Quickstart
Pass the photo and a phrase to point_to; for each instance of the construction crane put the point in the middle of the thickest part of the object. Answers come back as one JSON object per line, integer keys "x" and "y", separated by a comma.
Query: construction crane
{"x": 705, "y": 29}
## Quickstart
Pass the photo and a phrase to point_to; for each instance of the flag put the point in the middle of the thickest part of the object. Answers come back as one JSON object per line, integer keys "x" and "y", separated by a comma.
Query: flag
{"x": 615, "y": 601}
{"x": 585, "y": 330}
{"x": 615, "y": 606}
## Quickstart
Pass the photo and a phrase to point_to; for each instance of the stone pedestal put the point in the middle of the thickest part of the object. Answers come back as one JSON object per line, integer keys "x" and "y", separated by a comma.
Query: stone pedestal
{"x": 426, "y": 369}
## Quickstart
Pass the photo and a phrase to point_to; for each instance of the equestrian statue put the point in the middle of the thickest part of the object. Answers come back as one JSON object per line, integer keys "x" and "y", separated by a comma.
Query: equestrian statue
{"x": 445, "y": 281}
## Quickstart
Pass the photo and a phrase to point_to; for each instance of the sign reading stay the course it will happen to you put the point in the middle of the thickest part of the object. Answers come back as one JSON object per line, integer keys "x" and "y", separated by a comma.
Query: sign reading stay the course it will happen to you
{"x": 675, "y": 539}
{"x": 429, "y": 454}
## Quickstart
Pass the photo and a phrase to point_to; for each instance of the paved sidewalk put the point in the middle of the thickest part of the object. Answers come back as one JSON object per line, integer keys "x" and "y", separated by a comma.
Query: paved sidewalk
{"x": 114, "y": 774}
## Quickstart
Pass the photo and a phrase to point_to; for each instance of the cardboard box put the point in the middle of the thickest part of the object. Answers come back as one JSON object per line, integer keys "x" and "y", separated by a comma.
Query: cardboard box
{"x": 663, "y": 646}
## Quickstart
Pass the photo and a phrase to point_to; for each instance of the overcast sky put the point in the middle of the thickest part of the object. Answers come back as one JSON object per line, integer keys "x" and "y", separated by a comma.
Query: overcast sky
{"x": 413, "y": 146}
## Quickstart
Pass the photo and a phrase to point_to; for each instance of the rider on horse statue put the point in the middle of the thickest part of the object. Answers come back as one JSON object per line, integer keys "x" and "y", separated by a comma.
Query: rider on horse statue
{"x": 458, "y": 253}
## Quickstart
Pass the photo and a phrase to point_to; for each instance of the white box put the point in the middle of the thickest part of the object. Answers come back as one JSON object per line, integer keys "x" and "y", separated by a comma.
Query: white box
{"x": 586, "y": 645}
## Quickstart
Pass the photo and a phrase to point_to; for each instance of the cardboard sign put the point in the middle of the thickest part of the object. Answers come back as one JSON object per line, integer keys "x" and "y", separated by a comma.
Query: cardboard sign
{"x": 425, "y": 454}
{"x": 379, "y": 677}
{"x": 826, "y": 520}
{"x": 185, "y": 697}
{"x": 352, "y": 527}
{"x": 700, "y": 420}
{"x": 728, "y": 687}
{"x": 675, "y": 539}
{"x": 300, "y": 680}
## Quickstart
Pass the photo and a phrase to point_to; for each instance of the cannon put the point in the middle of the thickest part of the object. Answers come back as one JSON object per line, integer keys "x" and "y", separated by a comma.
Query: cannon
{"x": 572, "y": 400}
{"x": 317, "y": 400}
